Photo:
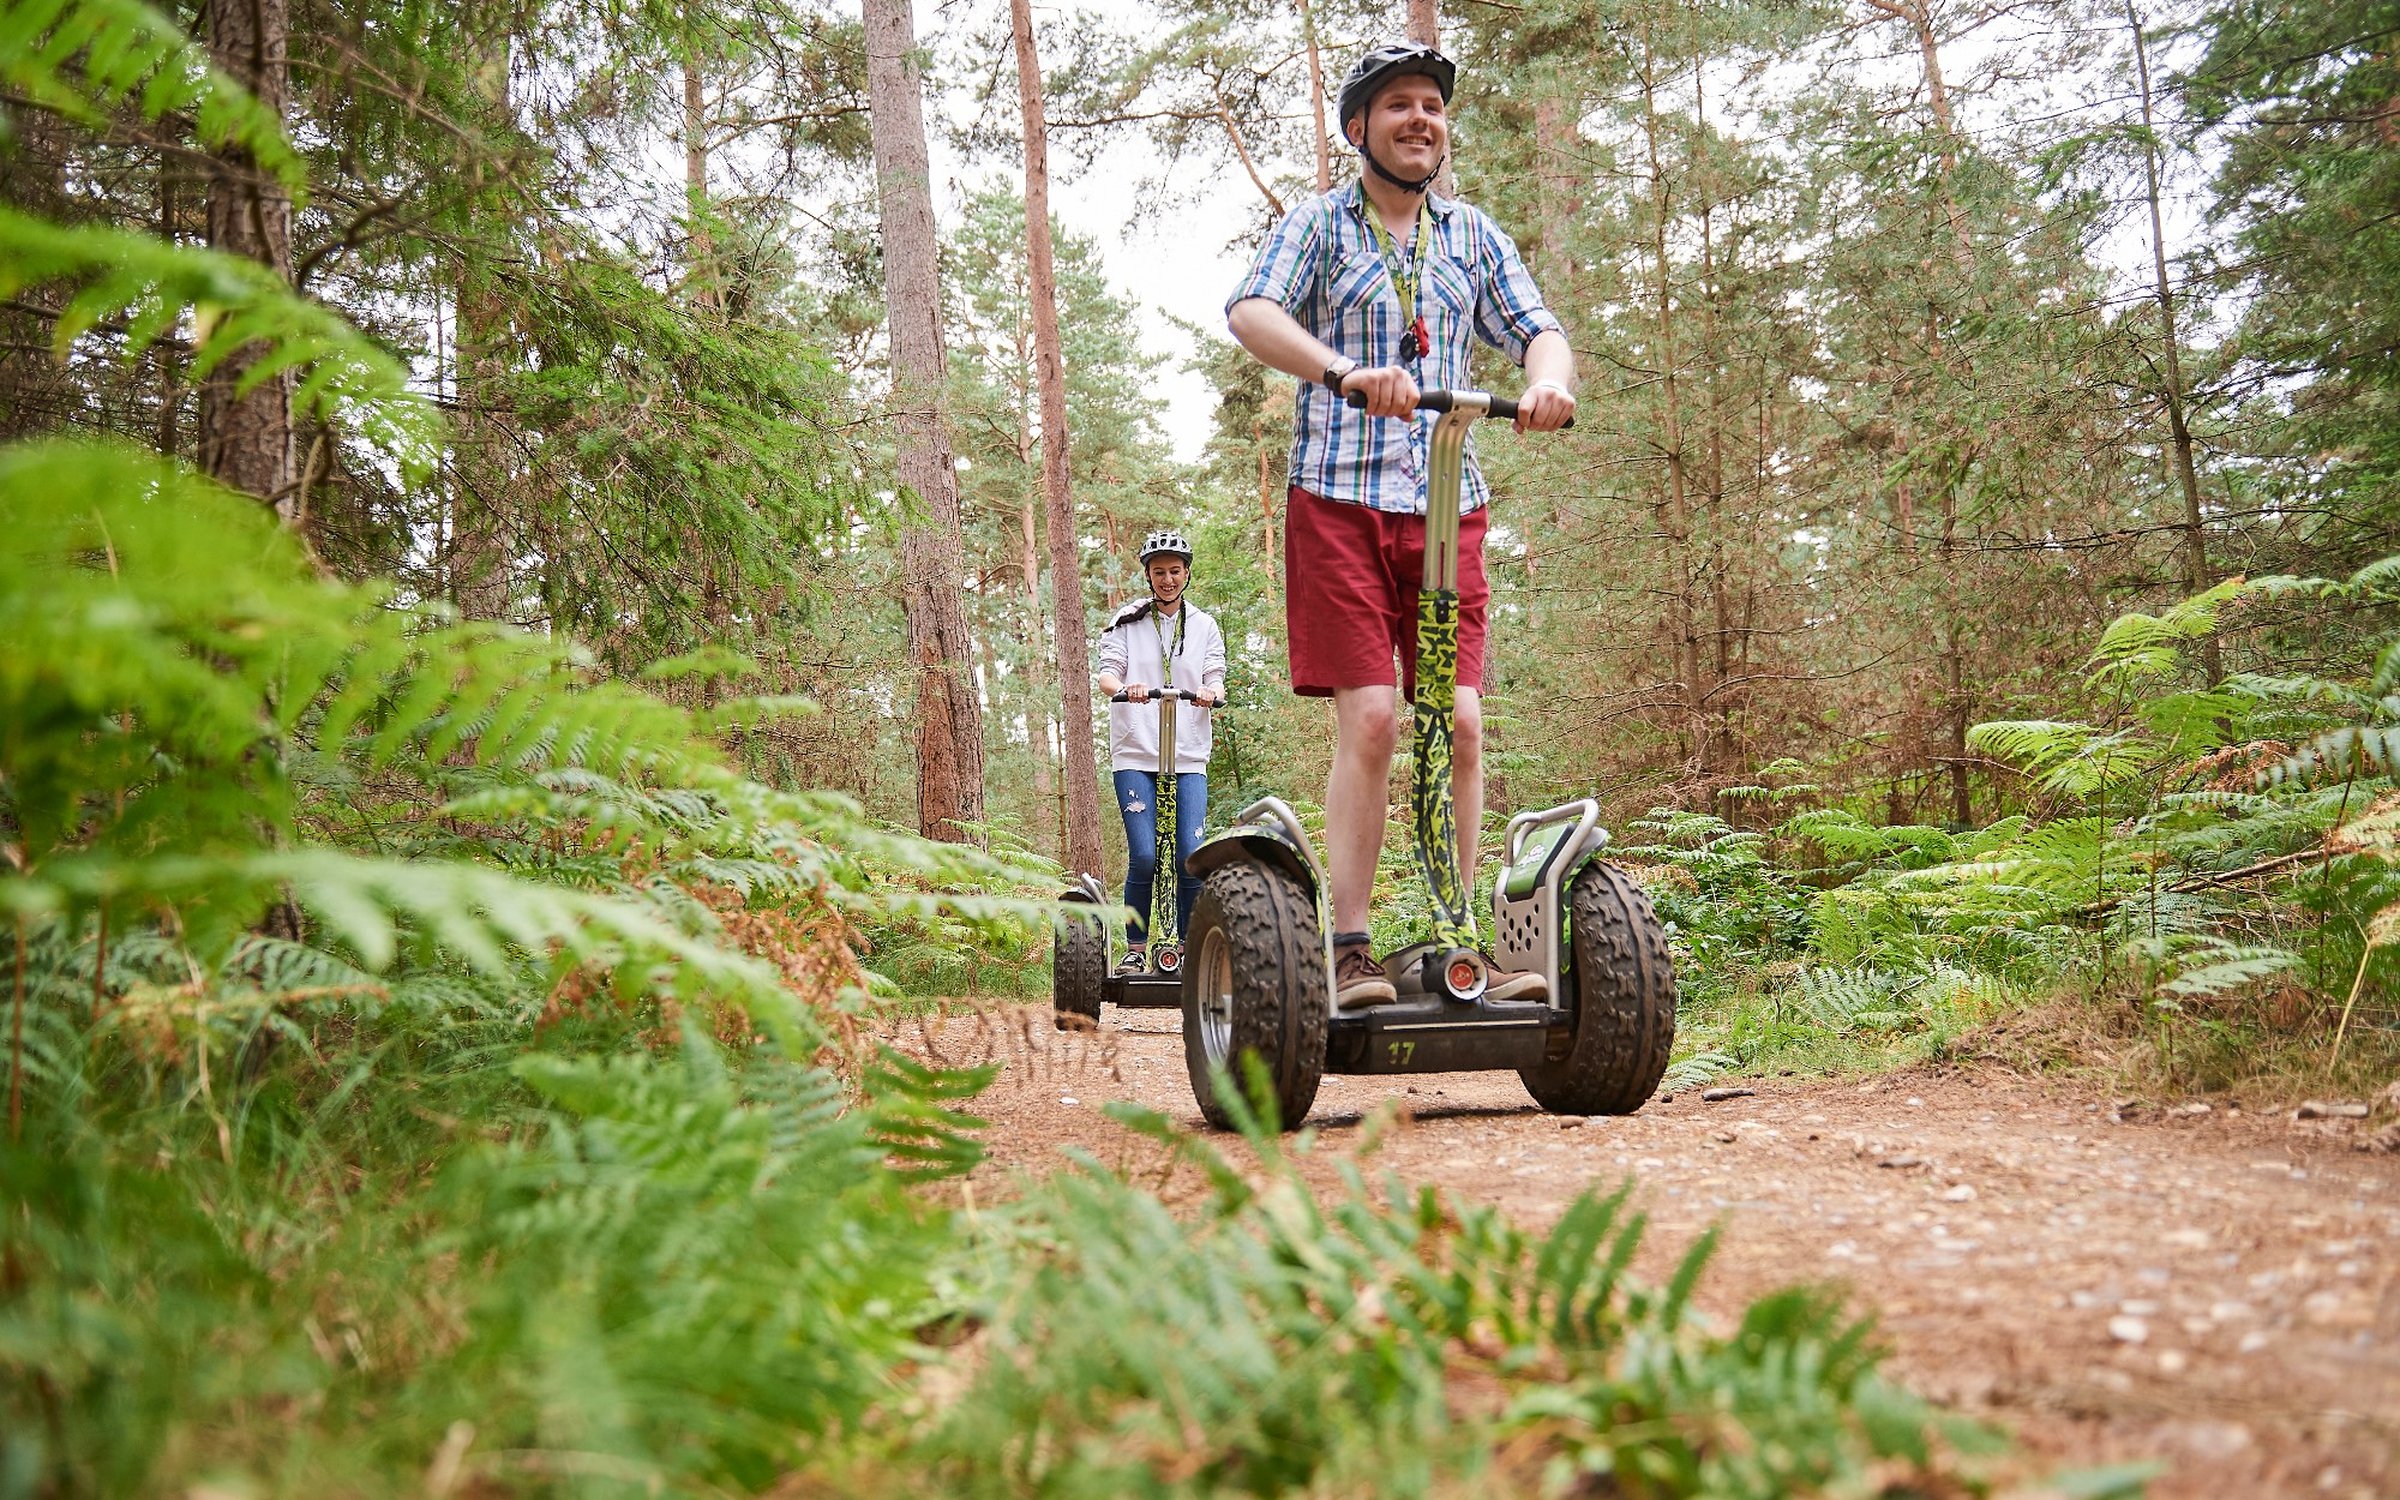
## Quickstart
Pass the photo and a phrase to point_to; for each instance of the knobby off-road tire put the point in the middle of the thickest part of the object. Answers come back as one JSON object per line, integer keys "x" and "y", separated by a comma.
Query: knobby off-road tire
{"x": 1254, "y": 982}
{"x": 1078, "y": 965}
{"x": 1622, "y": 984}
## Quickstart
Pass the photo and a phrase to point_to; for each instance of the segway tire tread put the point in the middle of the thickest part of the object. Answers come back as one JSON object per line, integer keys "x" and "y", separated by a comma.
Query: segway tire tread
{"x": 1279, "y": 1009}
{"x": 1622, "y": 982}
{"x": 1078, "y": 972}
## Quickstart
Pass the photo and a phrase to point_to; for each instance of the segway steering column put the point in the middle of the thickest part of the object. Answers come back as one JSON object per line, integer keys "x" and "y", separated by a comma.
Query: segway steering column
{"x": 1453, "y": 967}
{"x": 1166, "y": 939}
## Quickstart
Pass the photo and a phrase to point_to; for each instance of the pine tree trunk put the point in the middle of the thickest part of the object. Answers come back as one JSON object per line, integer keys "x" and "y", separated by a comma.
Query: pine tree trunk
{"x": 700, "y": 268}
{"x": 35, "y": 394}
{"x": 949, "y": 719}
{"x": 1425, "y": 29}
{"x": 245, "y": 438}
{"x": 1041, "y": 718}
{"x": 1040, "y": 726}
{"x": 1066, "y": 572}
{"x": 479, "y": 582}
{"x": 1683, "y": 624}
{"x": 1554, "y": 187}
{"x": 1917, "y": 16}
{"x": 2194, "y": 552}
{"x": 1316, "y": 96}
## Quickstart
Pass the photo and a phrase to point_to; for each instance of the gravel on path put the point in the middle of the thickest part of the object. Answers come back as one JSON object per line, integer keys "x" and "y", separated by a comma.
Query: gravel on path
{"x": 2215, "y": 1290}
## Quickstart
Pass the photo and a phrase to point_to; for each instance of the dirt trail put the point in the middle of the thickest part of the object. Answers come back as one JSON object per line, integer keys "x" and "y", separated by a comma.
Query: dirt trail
{"x": 2217, "y": 1291}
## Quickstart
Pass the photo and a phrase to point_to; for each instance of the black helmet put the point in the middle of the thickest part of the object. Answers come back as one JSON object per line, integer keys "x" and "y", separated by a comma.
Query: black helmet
{"x": 1385, "y": 63}
{"x": 1379, "y": 67}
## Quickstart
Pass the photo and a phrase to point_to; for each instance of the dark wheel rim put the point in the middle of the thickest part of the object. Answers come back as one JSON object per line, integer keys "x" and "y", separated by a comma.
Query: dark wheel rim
{"x": 1214, "y": 1013}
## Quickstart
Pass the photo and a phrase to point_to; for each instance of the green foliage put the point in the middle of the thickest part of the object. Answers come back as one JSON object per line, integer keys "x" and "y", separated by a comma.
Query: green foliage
{"x": 148, "y": 287}
{"x": 1277, "y": 1343}
{"x": 2208, "y": 845}
{"x": 86, "y": 58}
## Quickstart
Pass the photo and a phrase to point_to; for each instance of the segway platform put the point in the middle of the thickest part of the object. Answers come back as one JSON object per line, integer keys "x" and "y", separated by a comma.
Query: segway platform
{"x": 1436, "y": 1035}
{"x": 1143, "y": 991}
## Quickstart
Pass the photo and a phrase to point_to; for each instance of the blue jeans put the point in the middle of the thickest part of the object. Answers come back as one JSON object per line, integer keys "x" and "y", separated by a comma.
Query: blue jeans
{"x": 1137, "y": 801}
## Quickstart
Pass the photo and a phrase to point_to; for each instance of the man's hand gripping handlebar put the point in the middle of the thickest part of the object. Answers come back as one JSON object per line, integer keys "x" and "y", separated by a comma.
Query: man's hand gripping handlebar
{"x": 1501, "y": 409}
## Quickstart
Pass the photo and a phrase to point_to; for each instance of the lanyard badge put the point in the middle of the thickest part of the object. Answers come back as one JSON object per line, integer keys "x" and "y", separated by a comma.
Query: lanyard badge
{"x": 1409, "y": 280}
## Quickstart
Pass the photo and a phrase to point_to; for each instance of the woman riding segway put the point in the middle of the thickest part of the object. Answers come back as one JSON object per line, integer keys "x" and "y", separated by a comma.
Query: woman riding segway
{"x": 1165, "y": 641}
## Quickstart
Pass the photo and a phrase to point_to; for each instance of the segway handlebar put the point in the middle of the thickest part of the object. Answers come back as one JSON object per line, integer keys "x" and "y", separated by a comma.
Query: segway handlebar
{"x": 1181, "y": 695}
{"x": 1501, "y": 409}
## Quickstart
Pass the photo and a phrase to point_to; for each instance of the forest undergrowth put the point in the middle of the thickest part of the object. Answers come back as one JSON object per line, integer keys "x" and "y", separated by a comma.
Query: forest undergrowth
{"x": 442, "y": 1056}
{"x": 433, "y": 1068}
{"x": 2200, "y": 895}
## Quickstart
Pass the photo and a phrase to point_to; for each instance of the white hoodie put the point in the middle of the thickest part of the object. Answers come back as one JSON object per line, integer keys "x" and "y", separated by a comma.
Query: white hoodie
{"x": 1129, "y": 651}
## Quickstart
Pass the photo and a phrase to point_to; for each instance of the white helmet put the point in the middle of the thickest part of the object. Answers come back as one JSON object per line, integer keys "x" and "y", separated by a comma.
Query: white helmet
{"x": 1166, "y": 544}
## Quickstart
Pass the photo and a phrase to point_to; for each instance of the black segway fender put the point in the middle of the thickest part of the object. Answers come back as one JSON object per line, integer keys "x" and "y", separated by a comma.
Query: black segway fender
{"x": 1263, "y": 843}
{"x": 1079, "y": 958}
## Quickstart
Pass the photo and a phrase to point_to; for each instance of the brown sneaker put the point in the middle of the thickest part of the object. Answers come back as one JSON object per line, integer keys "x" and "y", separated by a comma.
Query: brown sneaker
{"x": 1358, "y": 980}
{"x": 1514, "y": 984}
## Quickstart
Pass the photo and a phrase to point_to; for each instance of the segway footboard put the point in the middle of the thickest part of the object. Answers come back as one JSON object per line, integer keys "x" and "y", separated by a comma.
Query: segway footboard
{"x": 1439, "y": 1035}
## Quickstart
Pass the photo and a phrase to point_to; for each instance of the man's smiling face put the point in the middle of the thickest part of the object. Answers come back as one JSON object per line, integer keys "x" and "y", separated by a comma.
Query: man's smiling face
{"x": 1406, "y": 126}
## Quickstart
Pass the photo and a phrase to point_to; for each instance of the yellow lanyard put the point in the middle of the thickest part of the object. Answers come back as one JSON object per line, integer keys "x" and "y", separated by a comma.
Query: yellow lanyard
{"x": 1408, "y": 280}
{"x": 1166, "y": 661}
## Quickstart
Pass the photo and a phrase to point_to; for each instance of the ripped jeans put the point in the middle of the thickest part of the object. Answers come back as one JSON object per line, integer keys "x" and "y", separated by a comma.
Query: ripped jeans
{"x": 1137, "y": 802}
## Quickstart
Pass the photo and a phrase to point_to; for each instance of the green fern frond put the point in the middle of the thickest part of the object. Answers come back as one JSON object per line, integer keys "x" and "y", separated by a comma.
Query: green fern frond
{"x": 2378, "y": 580}
{"x": 2352, "y": 753}
{"x": 2208, "y": 965}
{"x": 2138, "y": 645}
{"x": 86, "y": 58}
{"x": 236, "y": 303}
{"x": 2076, "y": 759}
{"x": 1697, "y": 1070}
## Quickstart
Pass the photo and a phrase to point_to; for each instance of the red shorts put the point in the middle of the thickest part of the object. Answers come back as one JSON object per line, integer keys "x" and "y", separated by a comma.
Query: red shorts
{"x": 1351, "y": 579}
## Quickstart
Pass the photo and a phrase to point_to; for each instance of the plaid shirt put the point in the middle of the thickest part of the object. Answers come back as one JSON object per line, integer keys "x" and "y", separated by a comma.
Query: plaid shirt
{"x": 1323, "y": 266}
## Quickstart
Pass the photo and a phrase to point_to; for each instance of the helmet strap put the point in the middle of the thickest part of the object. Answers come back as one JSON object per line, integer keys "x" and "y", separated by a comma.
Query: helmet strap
{"x": 1416, "y": 185}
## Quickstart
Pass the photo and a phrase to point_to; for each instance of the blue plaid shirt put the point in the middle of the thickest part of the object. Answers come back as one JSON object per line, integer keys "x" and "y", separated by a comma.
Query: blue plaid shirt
{"x": 1323, "y": 266}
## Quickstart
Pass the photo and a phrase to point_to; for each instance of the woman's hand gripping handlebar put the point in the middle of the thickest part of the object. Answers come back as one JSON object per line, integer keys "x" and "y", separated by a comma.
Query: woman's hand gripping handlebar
{"x": 1501, "y": 409}
{"x": 1135, "y": 692}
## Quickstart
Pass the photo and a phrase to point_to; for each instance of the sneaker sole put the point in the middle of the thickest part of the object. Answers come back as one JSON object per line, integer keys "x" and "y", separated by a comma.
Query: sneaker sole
{"x": 1525, "y": 987}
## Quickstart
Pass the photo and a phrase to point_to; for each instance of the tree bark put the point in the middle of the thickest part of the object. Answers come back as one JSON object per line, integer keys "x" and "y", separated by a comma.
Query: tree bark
{"x": 2187, "y": 475}
{"x": 1066, "y": 571}
{"x": 1917, "y": 16}
{"x": 1555, "y": 191}
{"x": 1425, "y": 29}
{"x": 245, "y": 438}
{"x": 35, "y": 394}
{"x": 479, "y": 582}
{"x": 700, "y": 268}
{"x": 949, "y": 718}
{"x": 1683, "y": 626}
{"x": 1316, "y": 96}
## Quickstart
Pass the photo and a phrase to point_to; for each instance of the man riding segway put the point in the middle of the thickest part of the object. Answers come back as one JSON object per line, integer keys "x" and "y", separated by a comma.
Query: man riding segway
{"x": 1165, "y": 644}
{"x": 1371, "y": 293}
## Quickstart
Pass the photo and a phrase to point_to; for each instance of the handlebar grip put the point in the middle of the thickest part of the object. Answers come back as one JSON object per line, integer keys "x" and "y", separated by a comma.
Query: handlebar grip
{"x": 1180, "y": 695}
{"x": 1502, "y": 408}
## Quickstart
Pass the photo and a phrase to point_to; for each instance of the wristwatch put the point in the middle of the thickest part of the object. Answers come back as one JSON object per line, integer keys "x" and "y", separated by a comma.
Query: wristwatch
{"x": 1337, "y": 372}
